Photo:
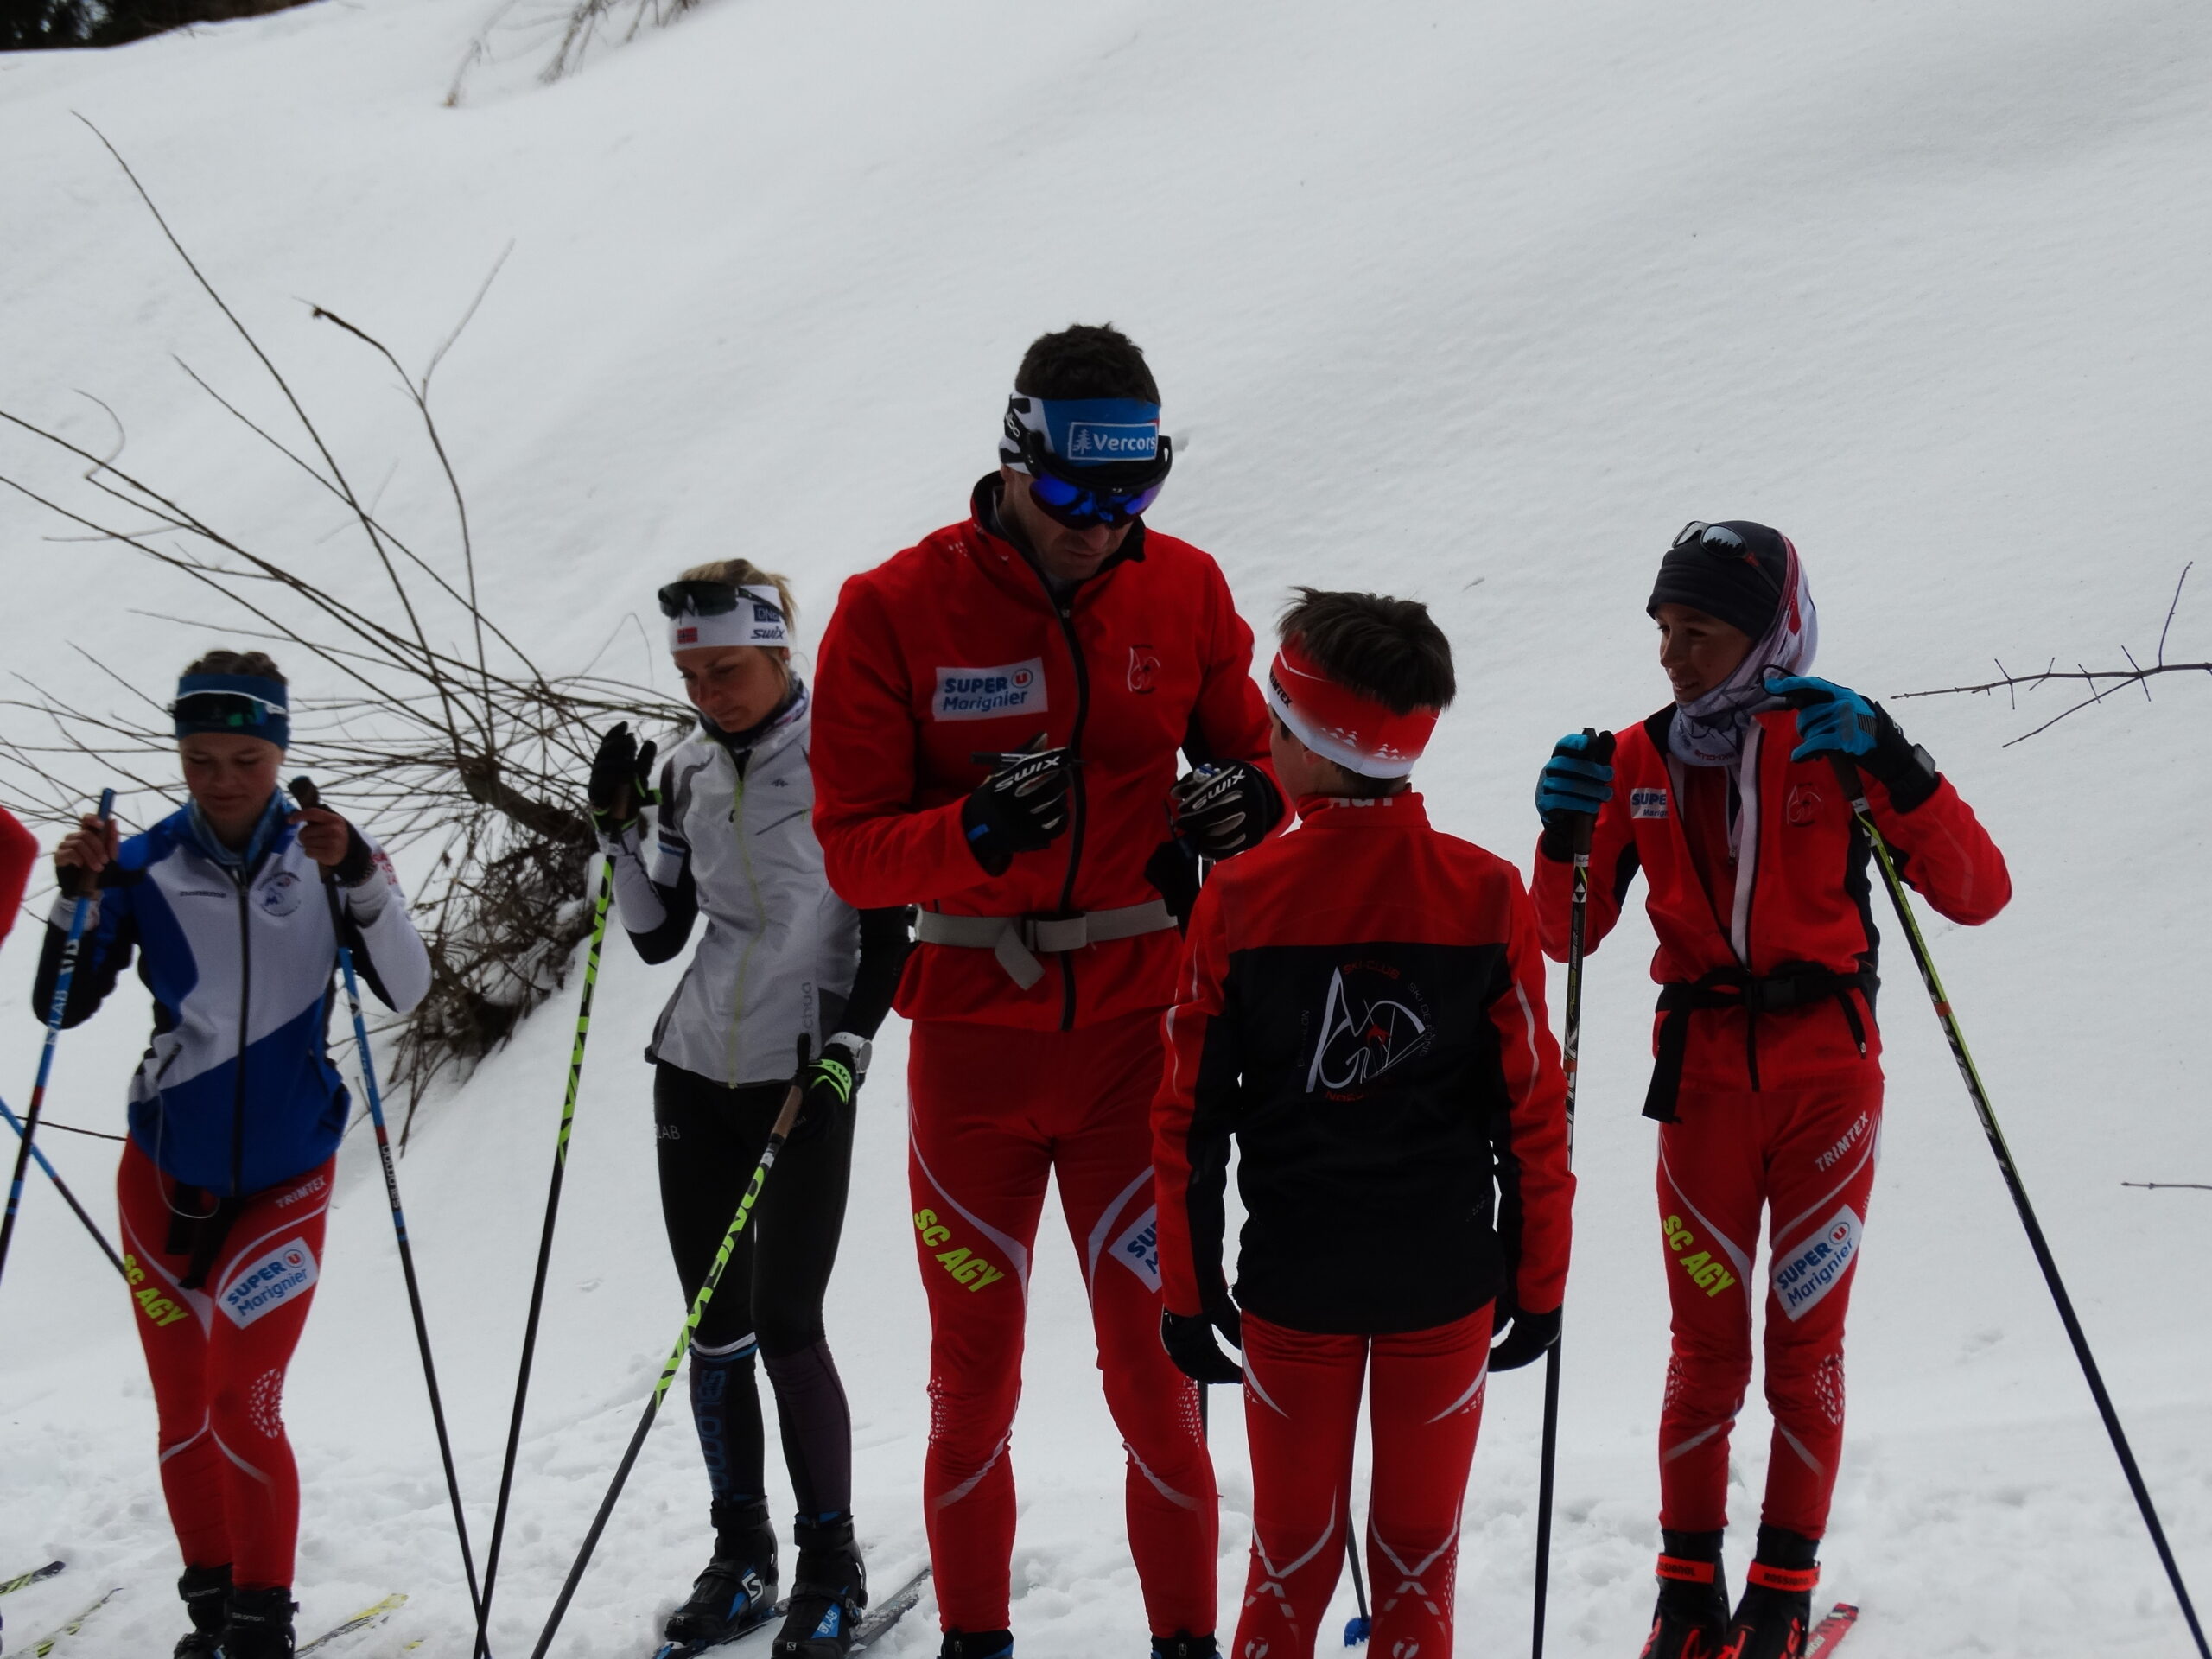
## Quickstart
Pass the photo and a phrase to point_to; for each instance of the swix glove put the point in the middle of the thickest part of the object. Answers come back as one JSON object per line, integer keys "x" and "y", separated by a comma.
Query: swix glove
{"x": 1021, "y": 808}
{"x": 1833, "y": 719}
{"x": 1222, "y": 810}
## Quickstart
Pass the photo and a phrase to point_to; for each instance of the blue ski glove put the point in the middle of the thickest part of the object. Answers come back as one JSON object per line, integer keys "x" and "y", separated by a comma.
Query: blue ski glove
{"x": 1576, "y": 779}
{"x": 1832, "y": 719}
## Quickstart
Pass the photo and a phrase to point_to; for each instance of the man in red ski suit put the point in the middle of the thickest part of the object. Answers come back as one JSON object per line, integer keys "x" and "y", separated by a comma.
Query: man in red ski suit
{"x": 1768, "y": 1081}
{"x": 1362, "y": 1009}
{"x": 997, "y": 713}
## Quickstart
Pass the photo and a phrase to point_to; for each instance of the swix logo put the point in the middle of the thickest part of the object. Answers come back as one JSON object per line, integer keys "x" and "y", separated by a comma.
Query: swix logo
{"x": 1143, "y": 667}
{"x": 1104, "y": 440}
{"x": 1804, "y": 804}
{"x": 1367, "y": 1028}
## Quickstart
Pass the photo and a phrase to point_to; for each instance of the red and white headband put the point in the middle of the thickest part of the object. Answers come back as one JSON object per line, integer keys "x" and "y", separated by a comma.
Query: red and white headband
{"x": 1339, "y": 724}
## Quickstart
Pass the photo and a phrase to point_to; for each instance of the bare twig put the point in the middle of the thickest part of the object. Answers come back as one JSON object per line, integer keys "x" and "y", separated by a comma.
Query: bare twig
{"x": 2099, "y": 682}
{"x": 2153, "y": 1187}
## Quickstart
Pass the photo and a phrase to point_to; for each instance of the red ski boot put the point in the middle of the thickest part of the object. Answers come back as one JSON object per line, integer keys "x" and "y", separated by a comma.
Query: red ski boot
{"x": 1693, "y": 1612}
{"x": 1776, "y": 1611}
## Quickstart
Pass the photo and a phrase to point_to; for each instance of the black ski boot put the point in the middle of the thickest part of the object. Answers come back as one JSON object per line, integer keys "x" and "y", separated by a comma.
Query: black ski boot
{"x": 977, "y": 1644}
{"x": 828, "y": 1589}
{"x": 738, "y": 1590}
{"x": 206, "y": 1592}
{"x": 1184, "y": 1645}
{"x": 1776, "y": 1611}
{"x": 261, "y": 1624}
{"x": 1692, "y": 1615}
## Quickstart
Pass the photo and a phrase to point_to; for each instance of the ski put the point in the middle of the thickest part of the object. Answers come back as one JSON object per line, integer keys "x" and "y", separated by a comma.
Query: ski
{"x": 45, "y": 1645}
{"x": 360, "y": 1621}
{"x": 876, "y": 1623}
{"x": 1828, "y": 1634}
{"x": 31, "y": 1577}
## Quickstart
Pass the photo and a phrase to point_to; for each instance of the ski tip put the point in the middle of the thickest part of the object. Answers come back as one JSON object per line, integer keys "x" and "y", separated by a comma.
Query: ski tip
{"x": 1355, "y": 1632}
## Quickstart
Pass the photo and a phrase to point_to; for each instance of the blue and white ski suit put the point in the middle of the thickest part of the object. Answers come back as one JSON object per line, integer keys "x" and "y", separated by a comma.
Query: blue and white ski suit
{"x": 237, "y": 1091}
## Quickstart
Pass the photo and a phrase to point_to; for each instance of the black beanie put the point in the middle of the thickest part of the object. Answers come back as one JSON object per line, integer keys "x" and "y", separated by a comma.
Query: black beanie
{"x": 1735, "y": 571}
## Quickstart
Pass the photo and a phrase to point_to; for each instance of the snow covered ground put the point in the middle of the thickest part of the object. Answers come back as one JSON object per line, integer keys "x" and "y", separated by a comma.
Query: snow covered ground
{"x": 1477, "y": 301}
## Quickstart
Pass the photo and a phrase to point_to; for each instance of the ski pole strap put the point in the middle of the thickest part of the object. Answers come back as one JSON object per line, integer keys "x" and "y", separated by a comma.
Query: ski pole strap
{"x": 1793, "y": 985}
{"x": 1017, "y": 940}
{"x": 1789, "y": 1579}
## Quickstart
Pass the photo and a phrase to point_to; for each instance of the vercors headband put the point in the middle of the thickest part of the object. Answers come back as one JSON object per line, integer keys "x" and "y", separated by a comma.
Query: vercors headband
{"x": 1081, "y": 432}
{"x": 1339, "y": 724}
{"x": 724, "y": 613}
{"x": 237, "y": 705}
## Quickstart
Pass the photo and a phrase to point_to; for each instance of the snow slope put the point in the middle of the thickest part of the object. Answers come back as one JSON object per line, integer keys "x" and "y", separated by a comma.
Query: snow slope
{"x": 1477, "y": 301}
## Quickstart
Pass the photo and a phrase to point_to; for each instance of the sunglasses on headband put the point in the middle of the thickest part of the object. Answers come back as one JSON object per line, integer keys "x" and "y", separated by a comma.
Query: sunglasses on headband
{"x": 700, "y": 598}
{"x": 231, "y": 709}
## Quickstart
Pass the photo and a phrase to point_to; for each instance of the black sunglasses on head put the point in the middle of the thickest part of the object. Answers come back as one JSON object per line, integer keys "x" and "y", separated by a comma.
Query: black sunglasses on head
{"x": 700, "y": 598}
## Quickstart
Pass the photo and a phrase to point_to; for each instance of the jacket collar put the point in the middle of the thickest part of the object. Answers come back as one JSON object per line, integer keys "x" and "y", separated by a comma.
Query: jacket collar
{"x": 268, "y": 832}
{"x": 1404, "y": 811}
{"x": 771, "y": 733}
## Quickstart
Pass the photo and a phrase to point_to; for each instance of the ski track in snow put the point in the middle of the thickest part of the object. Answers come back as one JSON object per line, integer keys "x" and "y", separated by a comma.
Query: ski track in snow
{"x": 1477, "y": 302}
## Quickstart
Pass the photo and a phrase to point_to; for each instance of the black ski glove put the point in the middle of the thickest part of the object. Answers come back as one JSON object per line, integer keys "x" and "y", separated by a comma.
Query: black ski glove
{"x": 1021, "y": 808}
{"x": 1222, "y": 810}
{"x": 622, "y": 781}
{"x": 827, "y": 1087}
{"x": 1190, "y": 1343}
{"x": 1527, "y": 1339}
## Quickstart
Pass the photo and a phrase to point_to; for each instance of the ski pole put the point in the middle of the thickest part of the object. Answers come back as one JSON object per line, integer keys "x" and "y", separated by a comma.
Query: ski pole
{"x": 307, "y": 795}
{"x": 777, "y": 1136}
{"x": 545, "y": 1249}
{"x": 61, "y": 983}
{"x": 1847, "y": 774}
{"x": 67, "y": 1197}
{"x": 1600, "y": 749}
{"x": 1355, "y": 1630}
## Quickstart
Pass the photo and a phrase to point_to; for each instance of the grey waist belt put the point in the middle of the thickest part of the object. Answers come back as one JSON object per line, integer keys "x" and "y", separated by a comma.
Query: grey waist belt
{"x": 1016, "y": 940}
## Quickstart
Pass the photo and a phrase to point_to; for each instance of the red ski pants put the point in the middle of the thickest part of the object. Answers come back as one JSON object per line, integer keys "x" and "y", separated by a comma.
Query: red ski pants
{"x": 1807, "y": 1156}
{"x": 217, "y": 1356}
{"x": 1301, "y": 1409}
{"x": 995, "y": 1111}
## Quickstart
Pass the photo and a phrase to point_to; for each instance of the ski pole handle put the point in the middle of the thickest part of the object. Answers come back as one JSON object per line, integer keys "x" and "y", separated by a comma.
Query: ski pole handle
{"x": 1601, "y": 750}
{"x": 1847, "y": 774}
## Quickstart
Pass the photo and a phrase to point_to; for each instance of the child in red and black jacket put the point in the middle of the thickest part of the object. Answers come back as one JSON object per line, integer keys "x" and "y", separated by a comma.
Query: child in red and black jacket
{"x": 1768, "y": 1085}
{"x": 1361, "y": 1005}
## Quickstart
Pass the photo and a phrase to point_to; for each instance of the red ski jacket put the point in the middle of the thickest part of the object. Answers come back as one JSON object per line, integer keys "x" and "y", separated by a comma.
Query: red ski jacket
{"x": 18, "y": 855}
{"x": 1362, "y": 1007}
{"x": 1780, "y": 990}
{"x": 955, "y": 647}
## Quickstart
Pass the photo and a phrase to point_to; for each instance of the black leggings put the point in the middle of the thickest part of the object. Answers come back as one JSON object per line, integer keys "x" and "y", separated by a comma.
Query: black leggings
{"x": 770, "y": 1297}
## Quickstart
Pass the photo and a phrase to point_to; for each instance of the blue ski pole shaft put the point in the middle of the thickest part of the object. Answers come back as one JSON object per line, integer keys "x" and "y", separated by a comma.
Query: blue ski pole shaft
{"x": 67, "y": 1197}
{"x": 776, "y": 1136}
{"x": 61, "y": 983}
{"x": 305, "y": 794}
{"x": 1847, "y": 774}
{"x": 545, "y": 1252}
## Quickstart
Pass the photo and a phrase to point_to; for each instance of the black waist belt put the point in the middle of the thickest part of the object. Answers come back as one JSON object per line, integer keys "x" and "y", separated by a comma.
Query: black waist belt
{"x": 1793, "y": 985}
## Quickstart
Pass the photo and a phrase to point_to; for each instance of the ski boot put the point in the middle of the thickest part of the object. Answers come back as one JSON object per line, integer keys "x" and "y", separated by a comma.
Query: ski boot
{"x": 206, "y": 1592}
{"x": 738, "y": 1589}
{"x": 828, "y": 1589}
{"x": 977, "y": 1644}
{"x": 1692, "y": 1615}
{"x": 1776, "y": 1611}
{"x": 261, "y": 1624}
{"x": 1184, "y": 1645}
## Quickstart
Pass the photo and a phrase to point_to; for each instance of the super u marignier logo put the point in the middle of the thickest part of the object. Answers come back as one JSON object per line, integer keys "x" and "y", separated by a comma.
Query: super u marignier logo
{"x": 987, "y": 693}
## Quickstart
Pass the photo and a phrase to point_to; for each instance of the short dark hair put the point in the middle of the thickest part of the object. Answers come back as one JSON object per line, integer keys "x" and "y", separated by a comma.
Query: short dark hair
{"x": 1387, "y": 649}
{"x": 1086, "y": 360}
{"x": 259, "y": 663}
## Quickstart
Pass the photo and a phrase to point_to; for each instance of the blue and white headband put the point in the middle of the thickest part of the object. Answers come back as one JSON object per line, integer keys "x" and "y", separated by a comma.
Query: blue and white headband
{"x": 233, "y": 705}
{"x": 756, "y": 619}
{"x": 1082, "y": 431}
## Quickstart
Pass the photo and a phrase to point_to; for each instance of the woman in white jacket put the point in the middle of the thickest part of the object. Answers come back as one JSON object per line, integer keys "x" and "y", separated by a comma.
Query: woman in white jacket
{"x": 781, "y": 957}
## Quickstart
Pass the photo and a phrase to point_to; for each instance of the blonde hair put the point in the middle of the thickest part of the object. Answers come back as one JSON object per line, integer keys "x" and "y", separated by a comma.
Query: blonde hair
{"x": 743, "y": 573}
